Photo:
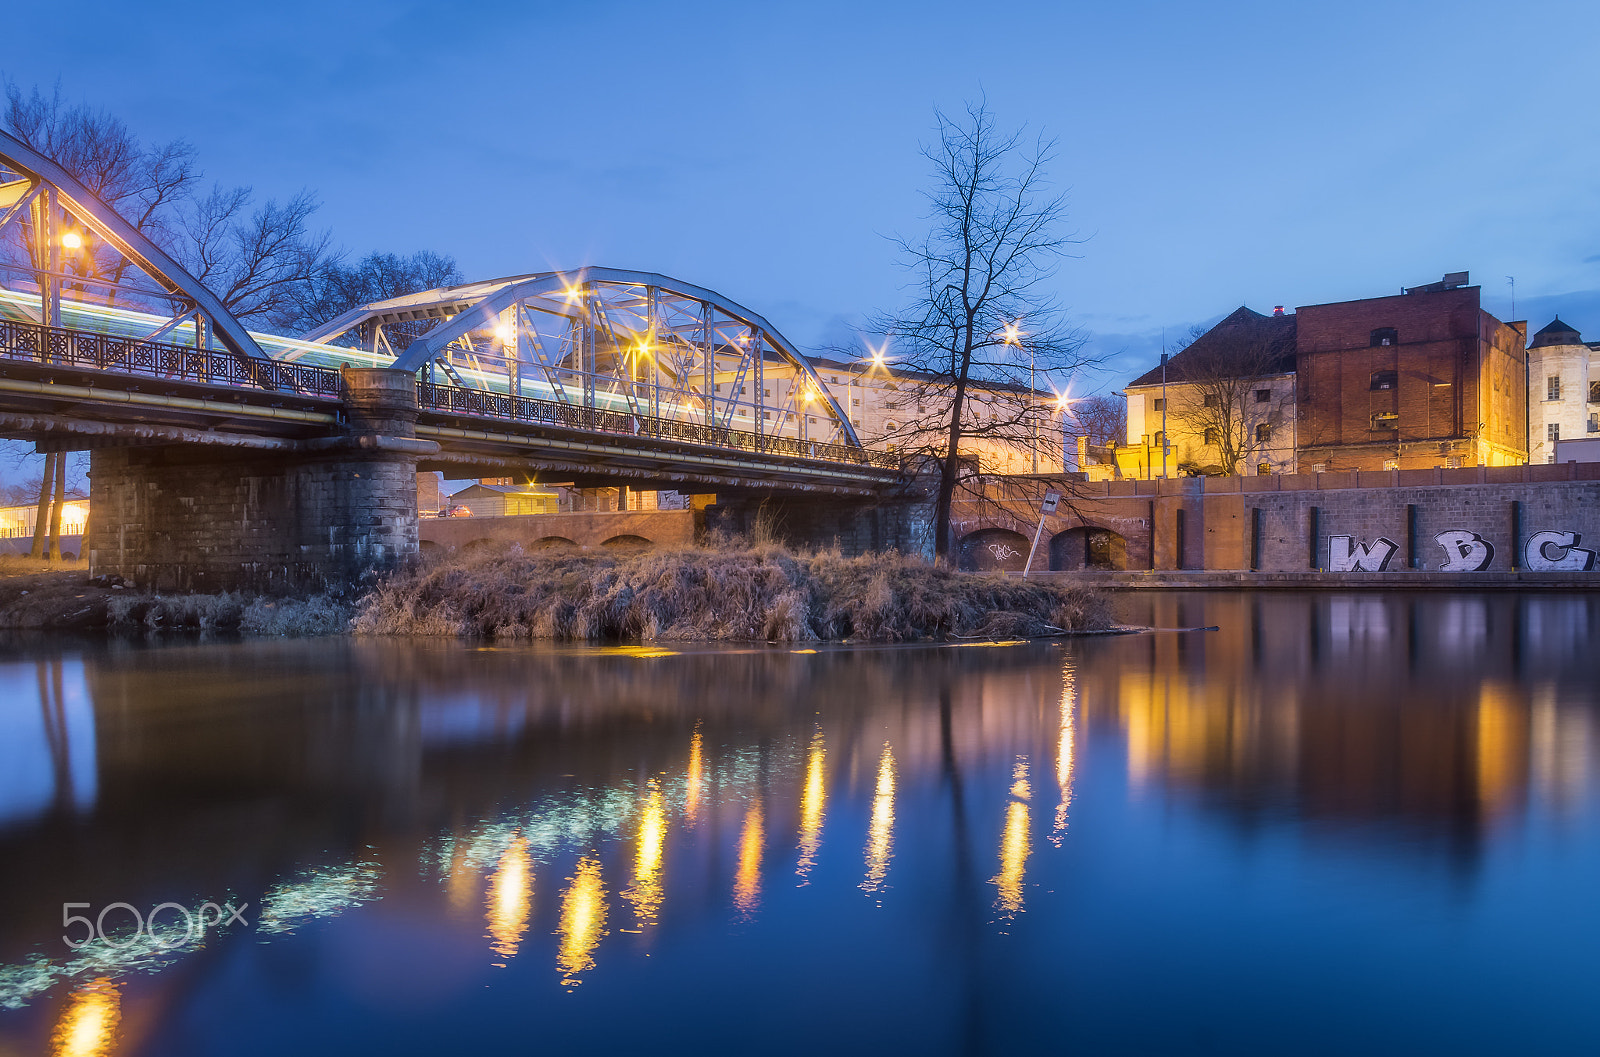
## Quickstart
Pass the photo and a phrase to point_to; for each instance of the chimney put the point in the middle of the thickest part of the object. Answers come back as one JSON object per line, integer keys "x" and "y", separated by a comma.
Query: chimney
{"x": 1277, "y": 310}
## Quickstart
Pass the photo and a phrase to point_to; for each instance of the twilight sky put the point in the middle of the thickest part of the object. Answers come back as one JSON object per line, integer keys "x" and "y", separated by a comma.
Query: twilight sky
{"x": 1215, "y": 154}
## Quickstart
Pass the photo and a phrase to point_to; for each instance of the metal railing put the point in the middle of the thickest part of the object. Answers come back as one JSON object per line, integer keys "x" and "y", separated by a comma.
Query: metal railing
{"x": 61, "y": 347}
{"x": 454, "y": 399}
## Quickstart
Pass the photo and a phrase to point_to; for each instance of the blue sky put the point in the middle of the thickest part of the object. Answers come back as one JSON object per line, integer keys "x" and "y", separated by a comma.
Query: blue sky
{"x": 1215, "y": 154}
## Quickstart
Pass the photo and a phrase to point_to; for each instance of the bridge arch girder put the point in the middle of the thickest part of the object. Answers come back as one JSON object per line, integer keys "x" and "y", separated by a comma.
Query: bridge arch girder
{"x": 51, "y": 185}
{"x": 608, "y": 337}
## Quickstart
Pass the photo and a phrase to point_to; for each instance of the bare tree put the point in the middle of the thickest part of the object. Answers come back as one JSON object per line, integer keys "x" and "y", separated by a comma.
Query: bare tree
{"x": 1221, "y": 387}
{"x": 1103, "y": 419}
{"x": 980, "y": 317}
{"x": 376, "y": 277}
{"x": 251, "y": 256}
{"x": 42, "y": 514}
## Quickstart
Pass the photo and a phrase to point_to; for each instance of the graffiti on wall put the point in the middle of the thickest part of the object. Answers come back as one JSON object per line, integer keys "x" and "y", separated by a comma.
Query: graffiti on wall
{"x": 1464, "y": 552}
{"x": 1345, "y": 555}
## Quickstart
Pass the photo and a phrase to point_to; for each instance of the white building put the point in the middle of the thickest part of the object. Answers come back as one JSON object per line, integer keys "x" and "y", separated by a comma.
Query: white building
{"x": 1563, "y": 390}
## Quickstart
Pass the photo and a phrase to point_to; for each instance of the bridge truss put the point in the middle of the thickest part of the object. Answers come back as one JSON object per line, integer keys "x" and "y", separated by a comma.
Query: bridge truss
{"x": 624, "y": 344}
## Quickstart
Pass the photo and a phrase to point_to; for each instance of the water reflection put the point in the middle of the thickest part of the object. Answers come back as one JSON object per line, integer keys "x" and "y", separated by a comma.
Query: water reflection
{"x": 346, "y": 787}
{"x": 645, "y": 895}
{"x": 88, "y": 1025}
{"x": 583, "y": 921}
{"x": 510, "y": 899}
{"x": 880, "y": 833}
{"x": 812, "y": 805}
{"x": 1014, "y": 843}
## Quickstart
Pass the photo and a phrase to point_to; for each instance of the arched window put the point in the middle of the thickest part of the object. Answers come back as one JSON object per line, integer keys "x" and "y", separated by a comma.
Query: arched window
{"x": 1385, "y": 336}
{"x": 1385, "y": 379}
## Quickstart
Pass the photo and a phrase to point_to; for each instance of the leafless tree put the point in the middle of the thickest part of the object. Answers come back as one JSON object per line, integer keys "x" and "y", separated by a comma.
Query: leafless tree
{"x": 1216, "y": 381}
{"x": 980, "y": 317}
{"x": 376, "y": 277}
{"x": 1103, "y": 419}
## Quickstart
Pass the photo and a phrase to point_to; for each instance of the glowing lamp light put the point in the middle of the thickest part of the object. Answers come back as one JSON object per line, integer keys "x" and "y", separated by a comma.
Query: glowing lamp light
{"x": 1012, "y": 334}
{"x": 506, "y": 333}
{"x": 72, "y": 240}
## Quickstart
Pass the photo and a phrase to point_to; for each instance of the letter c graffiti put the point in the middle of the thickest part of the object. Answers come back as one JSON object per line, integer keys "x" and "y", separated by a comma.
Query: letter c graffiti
{"x": 1465, "y": 552}
{"x": 1548, "y": 552}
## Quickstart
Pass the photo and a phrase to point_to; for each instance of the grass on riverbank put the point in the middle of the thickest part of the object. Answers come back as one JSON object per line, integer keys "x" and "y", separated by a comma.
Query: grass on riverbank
{"x": 760, "y": 592}
{"x": 247, "y": 614}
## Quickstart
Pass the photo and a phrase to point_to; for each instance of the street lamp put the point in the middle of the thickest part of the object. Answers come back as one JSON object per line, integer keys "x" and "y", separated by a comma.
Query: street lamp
{"x": 1012, "y": 335}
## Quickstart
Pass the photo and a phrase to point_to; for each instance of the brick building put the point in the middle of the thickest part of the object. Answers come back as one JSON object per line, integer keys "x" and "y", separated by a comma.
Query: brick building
{"x": 1416, "y": 380}
{"x": 1421, "y": 379}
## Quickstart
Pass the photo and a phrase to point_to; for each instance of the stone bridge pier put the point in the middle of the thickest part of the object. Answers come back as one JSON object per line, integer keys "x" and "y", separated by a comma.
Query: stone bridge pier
{"x": 261, "y": 513}
{"x": 901, "y": 520}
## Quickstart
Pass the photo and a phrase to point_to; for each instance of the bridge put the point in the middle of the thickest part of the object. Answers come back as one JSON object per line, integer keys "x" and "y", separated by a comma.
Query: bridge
{"x": 226, "y": 458}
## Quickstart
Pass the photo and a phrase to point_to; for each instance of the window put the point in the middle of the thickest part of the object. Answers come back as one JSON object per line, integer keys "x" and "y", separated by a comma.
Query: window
{"x": 1385, "y": 379}
{"x": 1453, "y": 462}
{"x": 1391, "y": 464}
{"x": 1385, "y": 336}
{"x": 856, "y": 402}
{"x": 1263, "y": 433}
{"x": 1159, "y": 438}
{"x": 1160, "y": 403}
{"x": 1213, "y": 400}
{"x": 1263, "y": 396}
{"x": 766, "y": 392}
{"x": 1594, "y": 422}
{"x": 1211, "y": 436}
{"x": 1385, "y": 420}
{"x": 892, "y": 426}
{"x": 1552, "y": 432}
{"x": 1552, "y": 387}
{"x": 1319, "y": 467}
{"x": 1594, "y": 392}
{"x": 1263, "y": 469}
{"x": 855, "y": 422}
{"x": 766, "y": 414}
{"x": 833, "y": 379}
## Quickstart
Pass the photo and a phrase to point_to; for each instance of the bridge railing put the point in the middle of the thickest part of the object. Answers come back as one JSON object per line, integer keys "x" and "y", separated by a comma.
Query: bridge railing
{"x": 61, "y": 347}
{"x": 454, "y": 399}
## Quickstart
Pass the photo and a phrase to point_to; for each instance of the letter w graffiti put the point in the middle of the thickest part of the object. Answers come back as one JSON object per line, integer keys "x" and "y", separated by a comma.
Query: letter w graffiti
{"x": 1465, "y": 552}
{"x": 1347, "y": 556}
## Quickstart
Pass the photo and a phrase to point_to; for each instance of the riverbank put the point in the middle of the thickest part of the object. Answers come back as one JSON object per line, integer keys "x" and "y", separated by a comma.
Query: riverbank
{"x": 737, "y": 593}
{"x": 729, "y": 593}
{"x": 1391, "y": 580}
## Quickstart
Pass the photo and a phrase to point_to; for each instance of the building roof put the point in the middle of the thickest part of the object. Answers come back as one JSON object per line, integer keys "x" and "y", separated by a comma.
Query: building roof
{"x": 1556, "y": 333}
{"x": 1243, "y": 334}
{"x": 500, "y": 489}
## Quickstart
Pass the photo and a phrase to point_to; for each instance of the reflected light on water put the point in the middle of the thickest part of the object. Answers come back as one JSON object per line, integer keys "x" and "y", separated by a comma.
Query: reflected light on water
{"x": 88, "y": 1025}
{"x": 812, "y": 803}
{"x": 747, "y": 881}
{"x": 880, "y": 832}
{"x": 510, "y": 899}
{"x": 645, "y": 895}
{"x": 583, "y": 921}
{"x": 1064, "y": 749}
{"x": 695, "y": 777}
{"x": 1014, "y": 845}
{"x": 1501, "y": 744}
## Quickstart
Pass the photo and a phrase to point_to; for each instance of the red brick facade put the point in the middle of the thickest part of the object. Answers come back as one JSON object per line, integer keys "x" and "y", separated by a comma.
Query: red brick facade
{"x": 1449, "y": 387}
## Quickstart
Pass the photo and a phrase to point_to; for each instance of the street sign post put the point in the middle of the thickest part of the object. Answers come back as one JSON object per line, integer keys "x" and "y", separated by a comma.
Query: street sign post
{"x": 1052, "y": 499}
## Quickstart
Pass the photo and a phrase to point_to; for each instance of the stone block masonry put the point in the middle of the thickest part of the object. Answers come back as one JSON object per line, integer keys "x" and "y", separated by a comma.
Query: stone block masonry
{"x": 308, "y": 515}
{"x": 182, "y": 519}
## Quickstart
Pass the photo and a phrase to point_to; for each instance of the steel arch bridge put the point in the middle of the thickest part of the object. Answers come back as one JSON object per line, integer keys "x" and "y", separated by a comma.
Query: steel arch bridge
{"x": 629, "y": 343}
{"x": 635, "y": 359}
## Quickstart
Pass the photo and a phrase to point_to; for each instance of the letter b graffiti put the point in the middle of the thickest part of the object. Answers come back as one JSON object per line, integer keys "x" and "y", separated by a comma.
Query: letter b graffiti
{"x": 1465, "y": 552}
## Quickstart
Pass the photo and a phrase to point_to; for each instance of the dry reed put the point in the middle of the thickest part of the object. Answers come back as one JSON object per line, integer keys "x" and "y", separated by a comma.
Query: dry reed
{"x": 759, "y": 592}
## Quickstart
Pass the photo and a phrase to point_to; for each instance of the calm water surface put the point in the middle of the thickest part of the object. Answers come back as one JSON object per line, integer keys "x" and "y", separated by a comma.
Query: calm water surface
{"x": 1337, "y": 825}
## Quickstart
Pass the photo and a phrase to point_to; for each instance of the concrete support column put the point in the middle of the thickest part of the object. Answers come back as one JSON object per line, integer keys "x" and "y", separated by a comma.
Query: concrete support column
{"x": 319, "y": 513}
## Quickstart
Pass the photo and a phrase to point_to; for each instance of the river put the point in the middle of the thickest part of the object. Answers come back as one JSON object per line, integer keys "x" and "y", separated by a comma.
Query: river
{"x": 1339, "y": 823}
